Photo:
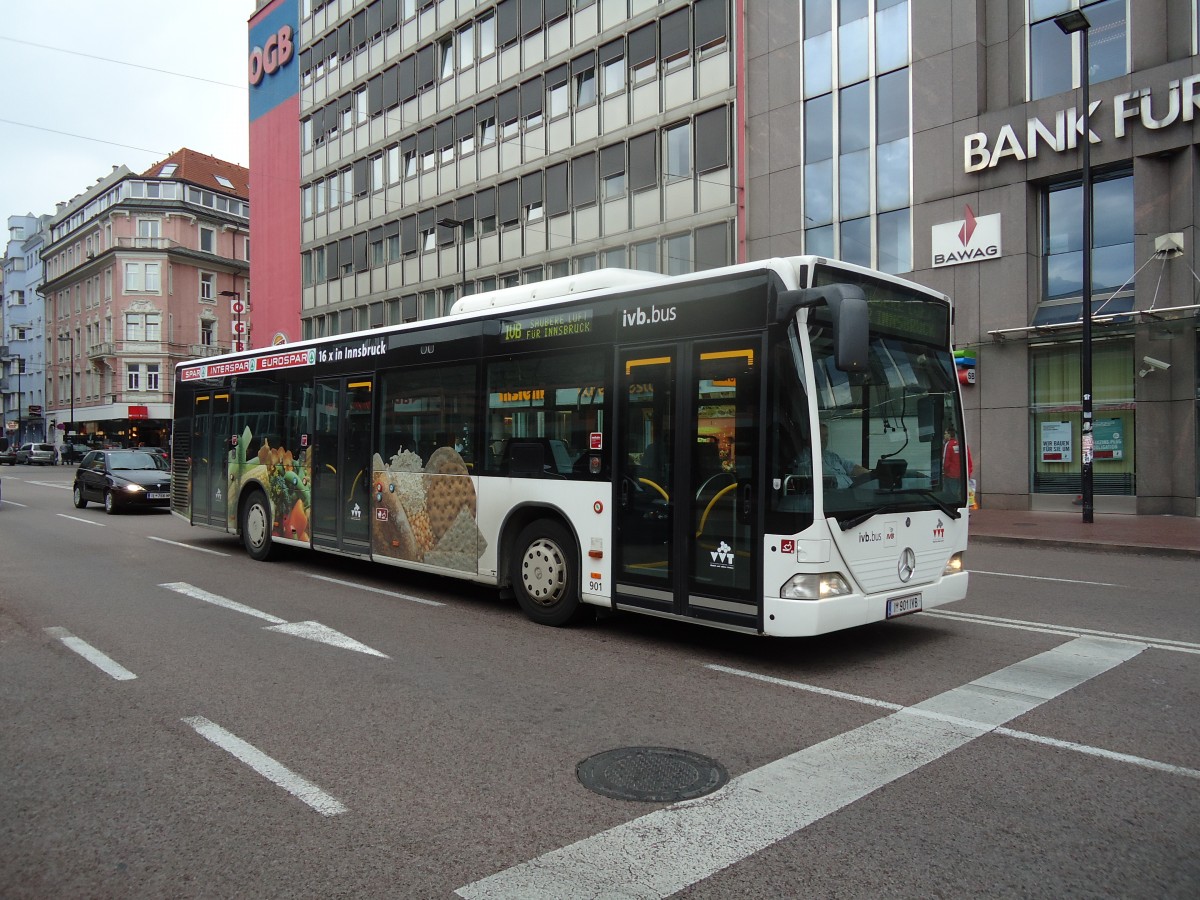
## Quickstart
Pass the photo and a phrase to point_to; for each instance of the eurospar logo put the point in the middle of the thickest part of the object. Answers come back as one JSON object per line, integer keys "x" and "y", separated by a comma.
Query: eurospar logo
{"x": 971, "y": 239}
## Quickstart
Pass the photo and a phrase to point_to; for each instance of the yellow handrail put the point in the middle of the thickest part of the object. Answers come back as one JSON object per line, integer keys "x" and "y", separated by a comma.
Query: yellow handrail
{"x": 717, "y": 496}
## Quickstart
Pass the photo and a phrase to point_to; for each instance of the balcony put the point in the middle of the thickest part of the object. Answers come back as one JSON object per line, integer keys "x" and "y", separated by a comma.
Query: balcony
{"x": 146, "y": 243}
{"x": 101, "y": 350}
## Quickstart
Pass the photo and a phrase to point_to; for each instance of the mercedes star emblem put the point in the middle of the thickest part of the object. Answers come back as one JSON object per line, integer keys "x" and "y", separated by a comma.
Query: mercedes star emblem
{"x": 907, "y": 565}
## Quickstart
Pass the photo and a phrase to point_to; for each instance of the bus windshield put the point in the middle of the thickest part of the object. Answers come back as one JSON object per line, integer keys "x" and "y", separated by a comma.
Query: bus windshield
{"x": 884, "y": 433}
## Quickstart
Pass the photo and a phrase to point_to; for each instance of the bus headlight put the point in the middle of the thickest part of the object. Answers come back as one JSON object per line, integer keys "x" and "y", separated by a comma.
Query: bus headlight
{"x": 814, "y": 587}
{"x": 954, "y": 566}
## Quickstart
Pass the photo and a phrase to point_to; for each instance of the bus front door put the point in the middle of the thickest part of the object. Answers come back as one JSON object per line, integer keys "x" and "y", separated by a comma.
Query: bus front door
{"x": 341, "y": 466}
{"x": 211, "y": 442}
{"x": 687, "y": 488}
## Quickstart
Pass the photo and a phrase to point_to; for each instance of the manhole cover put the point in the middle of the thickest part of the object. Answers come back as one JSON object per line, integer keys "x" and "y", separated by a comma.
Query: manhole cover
{"x": 655, "y": 774}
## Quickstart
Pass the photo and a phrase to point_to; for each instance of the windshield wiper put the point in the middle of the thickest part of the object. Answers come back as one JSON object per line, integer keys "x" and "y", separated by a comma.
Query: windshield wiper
{"x": 930, "y": 495}
{"x": 862, "y": 517}
{"x": 899, "y": 507}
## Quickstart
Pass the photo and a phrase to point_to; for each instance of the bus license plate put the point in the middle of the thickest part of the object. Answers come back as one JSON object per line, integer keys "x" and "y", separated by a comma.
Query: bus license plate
{"x": 902, "y": 606}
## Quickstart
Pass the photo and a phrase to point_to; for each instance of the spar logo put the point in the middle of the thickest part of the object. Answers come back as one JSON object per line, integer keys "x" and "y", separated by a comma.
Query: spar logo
{"x": 651, "y": 316}
{"x": 971, "y": 239}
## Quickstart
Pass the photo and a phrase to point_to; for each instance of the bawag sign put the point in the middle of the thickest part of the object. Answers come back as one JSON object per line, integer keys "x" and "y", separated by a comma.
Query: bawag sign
{"x": 971, "y": 239}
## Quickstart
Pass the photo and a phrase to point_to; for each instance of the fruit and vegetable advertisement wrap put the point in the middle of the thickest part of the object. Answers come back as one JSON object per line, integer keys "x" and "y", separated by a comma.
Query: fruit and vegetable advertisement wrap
{"x": 426, "y": 513}
{"x": 286, "y": 479}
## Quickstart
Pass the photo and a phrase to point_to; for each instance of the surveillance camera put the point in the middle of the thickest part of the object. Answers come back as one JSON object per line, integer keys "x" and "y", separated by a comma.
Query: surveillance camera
{"x": 1152, "y": 364}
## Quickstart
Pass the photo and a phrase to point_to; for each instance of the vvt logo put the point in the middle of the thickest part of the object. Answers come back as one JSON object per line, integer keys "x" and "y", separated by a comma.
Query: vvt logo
{"x": 722, "y": 557}
{"x": 639, "y": 316}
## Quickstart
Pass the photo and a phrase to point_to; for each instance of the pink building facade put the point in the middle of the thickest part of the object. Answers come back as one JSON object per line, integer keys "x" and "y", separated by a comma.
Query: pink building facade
{"x": 142, "y": 272}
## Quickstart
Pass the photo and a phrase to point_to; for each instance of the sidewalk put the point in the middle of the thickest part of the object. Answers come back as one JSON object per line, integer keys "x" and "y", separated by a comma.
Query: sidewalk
{"x": 1166, "y": 535}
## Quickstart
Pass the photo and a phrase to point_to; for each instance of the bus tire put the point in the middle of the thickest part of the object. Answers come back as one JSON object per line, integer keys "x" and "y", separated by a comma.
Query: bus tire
{"x": 545, "y": 573}
{"x": 256, "y": 526}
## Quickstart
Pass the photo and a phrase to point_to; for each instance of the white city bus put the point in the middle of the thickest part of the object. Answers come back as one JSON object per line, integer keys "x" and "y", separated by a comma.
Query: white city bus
{"x": 615, "y": 440}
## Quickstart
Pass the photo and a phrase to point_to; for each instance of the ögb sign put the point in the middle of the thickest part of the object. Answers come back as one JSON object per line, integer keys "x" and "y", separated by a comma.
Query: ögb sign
{"x": 275, "y": 53}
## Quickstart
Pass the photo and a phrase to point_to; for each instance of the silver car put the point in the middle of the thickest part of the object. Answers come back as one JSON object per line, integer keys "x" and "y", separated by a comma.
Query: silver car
{"x": 37, "y": 454}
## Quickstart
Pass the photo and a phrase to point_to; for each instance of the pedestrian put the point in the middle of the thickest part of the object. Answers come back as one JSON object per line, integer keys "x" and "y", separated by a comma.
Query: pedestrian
{"x": 952, "y": 456}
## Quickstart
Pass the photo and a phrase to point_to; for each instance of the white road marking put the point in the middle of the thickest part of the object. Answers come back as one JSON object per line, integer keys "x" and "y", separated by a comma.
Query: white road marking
{"x": 1101, "y": 752}
{"x": 187, "y": 546}
{"x": 374, "y": 590}
{"x": 196, "y": 593}
{"x": 315, "y": 631}
{"x": 14, "y": 503}
{"x": 84, "y": 521}
{"x": 100, "y": 660}
{"x": 1007, "y": 732}
{"x": 277, "y": 773}
{"x": 1066, "y": 630}
{"x": 659, "y": 854}
{"x": 61, "y": 487}
{"x": 1046, "y": 578}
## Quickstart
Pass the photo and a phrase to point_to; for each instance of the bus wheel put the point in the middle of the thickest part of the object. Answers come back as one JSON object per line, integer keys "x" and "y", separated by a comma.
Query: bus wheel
{"x": 545, "y": 575}
{"x": 256, "y": 526}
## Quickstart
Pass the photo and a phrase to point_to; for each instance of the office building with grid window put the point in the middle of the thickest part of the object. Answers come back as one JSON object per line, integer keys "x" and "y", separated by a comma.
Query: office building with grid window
{"x": 448, "y": 147}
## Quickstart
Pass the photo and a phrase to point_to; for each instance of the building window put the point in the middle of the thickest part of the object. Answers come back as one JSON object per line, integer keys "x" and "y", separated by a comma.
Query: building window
{"x": 142, "y": 377}
{"x": 207, "y": 286}
{"x": 487, "y": 131}
{"x": 208, "y": 332}
{"x": 1054, "y": 57}
{"x": 1062, "y": 244}
{"x": 614, "y": 76}
{"x": 1055, "y": 411}
{"x": 645, "y": 256}
{"x": 208, "y": 240}
{"x": 148, "y": 231}
{"x": 142, "y": 277}
{"x": 558, "y": 100}
{"x": 677, "y": 152}
{"x": 679, "y": 255}
{"x": 585, "y": 87}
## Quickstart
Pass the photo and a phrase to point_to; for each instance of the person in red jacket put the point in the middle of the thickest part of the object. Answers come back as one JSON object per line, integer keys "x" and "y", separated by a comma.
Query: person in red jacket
{"x": 952, "y": 456}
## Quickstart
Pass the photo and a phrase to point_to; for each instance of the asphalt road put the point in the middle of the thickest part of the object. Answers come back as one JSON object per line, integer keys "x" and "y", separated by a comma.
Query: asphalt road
{"x": 179, "y": 721}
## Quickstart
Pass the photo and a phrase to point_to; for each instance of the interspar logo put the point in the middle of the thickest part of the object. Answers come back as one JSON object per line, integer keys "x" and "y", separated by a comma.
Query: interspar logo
{"x": 971, "y": 239}
{"x": 651, "y": 316}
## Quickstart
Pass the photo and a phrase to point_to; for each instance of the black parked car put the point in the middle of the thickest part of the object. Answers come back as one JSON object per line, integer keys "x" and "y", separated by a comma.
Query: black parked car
{"x": 121, "y": 479}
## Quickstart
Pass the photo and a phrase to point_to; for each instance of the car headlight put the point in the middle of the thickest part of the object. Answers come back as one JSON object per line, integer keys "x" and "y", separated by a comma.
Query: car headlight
{"x": 814, "y": 587}
{"x": 134, "y": 488}
{"x": 954, "y": 565}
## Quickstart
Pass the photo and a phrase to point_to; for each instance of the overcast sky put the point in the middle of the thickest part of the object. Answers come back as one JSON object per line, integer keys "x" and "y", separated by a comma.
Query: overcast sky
{"x": 172, "y": 74}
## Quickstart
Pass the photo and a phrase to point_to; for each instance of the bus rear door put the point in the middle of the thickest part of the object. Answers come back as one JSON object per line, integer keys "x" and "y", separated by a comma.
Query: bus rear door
{"x": 687, "y": 493}
{"x": 341, "y": 466}
{"x": 211, "y": 442}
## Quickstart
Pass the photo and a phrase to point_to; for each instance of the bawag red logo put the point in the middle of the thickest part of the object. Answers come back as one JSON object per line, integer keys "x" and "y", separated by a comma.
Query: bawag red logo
{"x": 971, "y": 239}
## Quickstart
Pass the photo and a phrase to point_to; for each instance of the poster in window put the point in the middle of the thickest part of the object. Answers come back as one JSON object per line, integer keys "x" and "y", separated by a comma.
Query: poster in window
{"x": 1056, "y": 442}
{"x": 1109, "y": 439}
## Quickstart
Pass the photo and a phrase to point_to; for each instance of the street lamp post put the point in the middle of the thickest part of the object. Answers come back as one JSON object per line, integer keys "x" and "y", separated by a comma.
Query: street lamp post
{"x": 71, "y": 339}
{"x": 462, "y": 247}
{"x": 1070, "y": 23}
{"x": 236, "y": 303}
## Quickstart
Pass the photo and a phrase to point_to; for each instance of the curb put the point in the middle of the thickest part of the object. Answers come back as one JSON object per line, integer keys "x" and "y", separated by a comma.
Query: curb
{"x": 1068, "y": 544}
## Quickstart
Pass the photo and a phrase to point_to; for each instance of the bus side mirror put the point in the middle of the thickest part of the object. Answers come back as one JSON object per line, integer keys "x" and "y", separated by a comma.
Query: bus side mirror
{"x": 851, "y": 320}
